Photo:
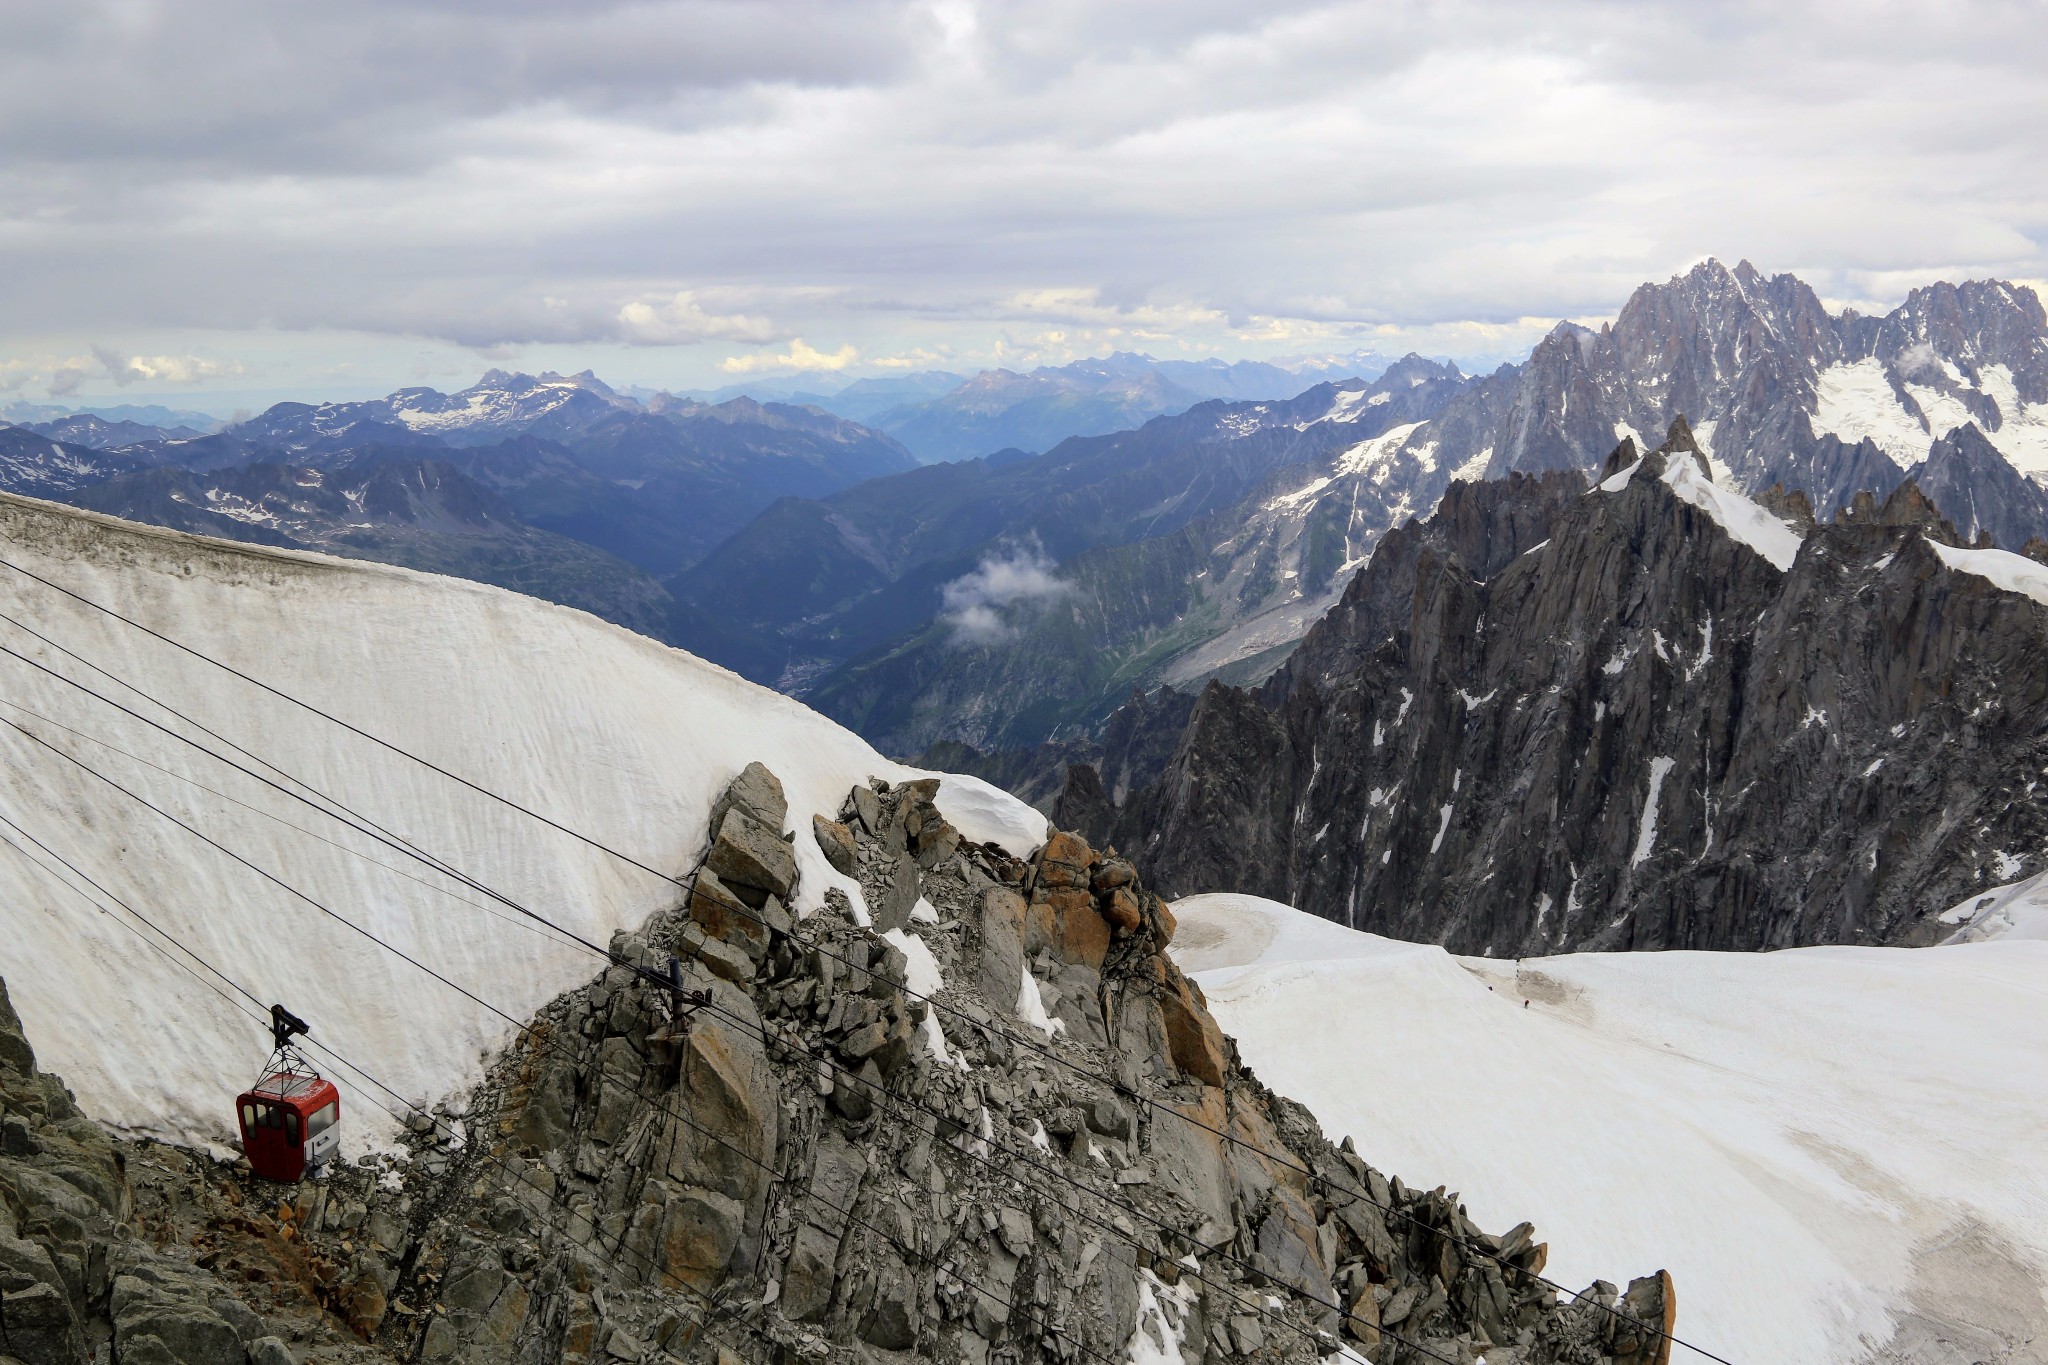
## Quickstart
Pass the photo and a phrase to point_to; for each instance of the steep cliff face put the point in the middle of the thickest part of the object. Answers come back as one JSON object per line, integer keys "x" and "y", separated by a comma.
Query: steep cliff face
{"x": 983, "y": 1118}
{"x": 1981, "y": 492}
{"x": 1646, "y": 716}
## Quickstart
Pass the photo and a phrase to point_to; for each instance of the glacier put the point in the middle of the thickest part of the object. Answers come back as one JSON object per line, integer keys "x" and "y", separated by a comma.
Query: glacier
{"x": 1835, "y": 1151}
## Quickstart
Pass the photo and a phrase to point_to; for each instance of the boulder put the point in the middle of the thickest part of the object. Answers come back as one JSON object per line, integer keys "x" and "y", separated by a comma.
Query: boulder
{"x": 1065, "y": 920}
{"x": 1003, "y": 914}
{"x": 727, "y": 1091}
{"x": 1190, "y": 1158}
{"x": 1288, "y": 1252}
{"x": 271, "y": 1351}
{"x": 867, "y": 807}
{"x": 751, "y": 858}
{"x": 187, "y": 1331}
{"x": 891, "y": 1321}
{"x": 1362, "y": 1320}
{"x": 725, "y": 916}
{"x": 1064, "y": 861}
{"x": 756, "y": 791}
{"x": 837, "y": 1170}
{"x": 1112, "y": 873}
{"x": 835, "y": 841}
{"x": 700, "y": 1230}
{"x": 40, "y": 1327}
{"x": 1120, "y": 908}
{"x": 899, "y": 899}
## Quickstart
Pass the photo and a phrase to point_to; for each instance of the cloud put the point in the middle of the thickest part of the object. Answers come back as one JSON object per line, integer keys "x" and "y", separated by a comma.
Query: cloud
{"x": 681, "y": 319}
{"x": 955, "y": 175}
{"x": 799, "y": 356}
{"x": 163, "y": 369}
{"x": 917, "y": 358}
{"x": 63, "y": 375}
{"x": 980, "y": 607}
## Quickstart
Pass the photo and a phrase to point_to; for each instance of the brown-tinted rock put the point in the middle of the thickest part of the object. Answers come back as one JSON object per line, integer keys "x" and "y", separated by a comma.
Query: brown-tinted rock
{"x": 1192, "y": 1037}
{"x": 1064, "y": 861}
{"x": 1164, "y": 924}
{"x": 1120, "y": 907}
{"x": 1112, "y": 873}
{"x": 725, "y": 916}
{"x": 1362, "y": 1322}
{"x": 700, "y": 1231}
{"x": 835, "y": 841}
{"x": 1066, "y": 921}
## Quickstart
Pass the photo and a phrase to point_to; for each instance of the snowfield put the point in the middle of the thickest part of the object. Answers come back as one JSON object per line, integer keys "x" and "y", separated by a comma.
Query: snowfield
{"x": 1841, "y": 1154}
{"x": 600, "y": 729}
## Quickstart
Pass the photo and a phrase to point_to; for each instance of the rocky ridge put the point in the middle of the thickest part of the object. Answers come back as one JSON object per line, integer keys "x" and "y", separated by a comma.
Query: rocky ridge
{"x": 1550, "y": 719}
{"x": 747, "y": 1140}
{"x": 95, "y": 1265}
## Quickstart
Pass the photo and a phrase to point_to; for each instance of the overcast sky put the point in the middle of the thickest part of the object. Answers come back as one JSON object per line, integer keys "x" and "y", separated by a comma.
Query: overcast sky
{"x": 212, "y": 199}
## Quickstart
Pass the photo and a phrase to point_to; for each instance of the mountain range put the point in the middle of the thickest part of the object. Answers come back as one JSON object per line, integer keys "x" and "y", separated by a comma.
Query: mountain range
{"x": 1645, "y": 713}
{"x": 557, "y": 486}
{"x": 1013, "y": 599}
{"x": 1952, "y": 387}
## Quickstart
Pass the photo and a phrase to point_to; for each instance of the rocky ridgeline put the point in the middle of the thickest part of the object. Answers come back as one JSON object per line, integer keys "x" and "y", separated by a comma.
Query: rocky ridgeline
{"x": 747, "y": 1141}
{"x": 88, "y": 1271}
{"x": 1552, "y": 718}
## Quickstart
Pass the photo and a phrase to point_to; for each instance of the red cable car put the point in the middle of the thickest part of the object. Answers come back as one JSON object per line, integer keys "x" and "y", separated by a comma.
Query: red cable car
{"x": 291, "y": 1118}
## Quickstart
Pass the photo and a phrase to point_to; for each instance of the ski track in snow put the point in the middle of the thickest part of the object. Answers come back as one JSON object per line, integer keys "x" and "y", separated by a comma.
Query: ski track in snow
{"x": 1785, "y": 1132}
{"x": 606, "y": 731}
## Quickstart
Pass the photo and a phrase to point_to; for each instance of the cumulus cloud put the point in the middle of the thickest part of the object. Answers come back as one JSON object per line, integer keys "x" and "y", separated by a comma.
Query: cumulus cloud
{"x": 681, "y": 319}
{"x": 981, "y": 607}
{"x": 799, "y": 356}
{"x": 63, "y": 375}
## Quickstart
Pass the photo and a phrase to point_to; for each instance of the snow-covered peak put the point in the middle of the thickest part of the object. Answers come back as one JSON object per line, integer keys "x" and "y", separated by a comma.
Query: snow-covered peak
{"x": 499, "y": 398}
{"x": 600, "y": 729}
{"x": 1739, "y": 516}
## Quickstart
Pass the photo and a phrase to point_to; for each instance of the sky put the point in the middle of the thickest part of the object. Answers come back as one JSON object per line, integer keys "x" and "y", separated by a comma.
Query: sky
{"x": 220, "y": 202}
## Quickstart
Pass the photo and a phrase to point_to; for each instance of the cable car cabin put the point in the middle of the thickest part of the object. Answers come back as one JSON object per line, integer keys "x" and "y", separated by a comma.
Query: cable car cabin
{"x": 290, "y": 1124}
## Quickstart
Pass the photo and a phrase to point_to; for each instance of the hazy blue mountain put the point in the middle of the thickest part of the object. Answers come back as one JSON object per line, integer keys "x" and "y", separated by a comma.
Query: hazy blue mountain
{"x": 101, "y": 433}
{"x": 144, "y": 414}
{"x": 853, "y": 587}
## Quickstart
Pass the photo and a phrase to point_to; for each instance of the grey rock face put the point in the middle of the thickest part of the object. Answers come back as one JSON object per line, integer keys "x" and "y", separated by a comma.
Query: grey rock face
{"x": 73, "y": 1277}
{"x": 844, "y": 1168}
{"x": 1634, "y": 732}
{"x": 1978, "y": 489}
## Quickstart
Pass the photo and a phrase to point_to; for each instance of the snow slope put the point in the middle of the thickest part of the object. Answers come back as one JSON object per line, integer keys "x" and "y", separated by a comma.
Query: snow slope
{"x": 1857, "y": 400}
{"x": 600, "y": 729}
{"x": 2003, "y": 568}
{"x": 1830, "y": 1149}
{"x": 1739, "y": 516}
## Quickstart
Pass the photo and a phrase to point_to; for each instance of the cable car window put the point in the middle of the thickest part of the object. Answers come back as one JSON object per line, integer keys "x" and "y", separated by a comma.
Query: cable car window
{"x": 322, "y": 1119}
{"x": 273, "y": 1117}
{"x": 248, "y": 1117}
{"x": 291, "y": 1126}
